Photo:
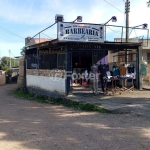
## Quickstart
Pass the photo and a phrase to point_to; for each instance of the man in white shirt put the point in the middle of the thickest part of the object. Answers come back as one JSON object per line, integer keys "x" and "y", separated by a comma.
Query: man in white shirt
{"x": 94, "y": 77}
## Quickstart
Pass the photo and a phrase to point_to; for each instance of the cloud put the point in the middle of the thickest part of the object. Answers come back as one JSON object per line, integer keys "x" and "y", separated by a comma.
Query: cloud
{"x": 34, "y": 12}
{"x": 26, "y": 13}
{"x": 29, "y": 17}
{"x": 43, "y": 12}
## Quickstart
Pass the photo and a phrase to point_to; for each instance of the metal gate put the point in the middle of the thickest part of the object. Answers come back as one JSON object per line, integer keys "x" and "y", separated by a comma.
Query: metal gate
{"x": 101, "y": 55}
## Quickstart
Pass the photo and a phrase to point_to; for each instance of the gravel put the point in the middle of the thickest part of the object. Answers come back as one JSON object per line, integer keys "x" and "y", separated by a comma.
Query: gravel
{"x": 28, "y": 125}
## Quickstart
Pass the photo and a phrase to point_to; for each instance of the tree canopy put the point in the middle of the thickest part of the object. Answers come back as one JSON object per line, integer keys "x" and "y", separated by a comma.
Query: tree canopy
{"x": 5, "y": 63}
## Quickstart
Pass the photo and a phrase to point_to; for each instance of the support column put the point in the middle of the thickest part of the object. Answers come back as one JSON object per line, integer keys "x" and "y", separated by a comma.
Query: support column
{"x": 68, "y": 69}
{"x": 140, "y": 62}
{"x": 127, "y": 10}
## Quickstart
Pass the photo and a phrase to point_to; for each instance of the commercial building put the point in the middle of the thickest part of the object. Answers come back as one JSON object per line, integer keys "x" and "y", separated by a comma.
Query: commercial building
{"x": 49, "y": 64}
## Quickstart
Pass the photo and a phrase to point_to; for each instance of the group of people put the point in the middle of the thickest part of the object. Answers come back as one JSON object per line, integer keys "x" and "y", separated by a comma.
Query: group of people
{"x": 94, "y": 76}
{"x": 99, "y": 71}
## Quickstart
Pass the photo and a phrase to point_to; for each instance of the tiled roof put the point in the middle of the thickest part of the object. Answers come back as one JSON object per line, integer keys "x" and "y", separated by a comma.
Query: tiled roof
{"x": 29, "y": 41}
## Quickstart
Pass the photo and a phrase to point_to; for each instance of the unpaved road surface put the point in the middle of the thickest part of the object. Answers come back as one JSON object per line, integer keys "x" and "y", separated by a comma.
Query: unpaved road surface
{"x": 28, "y": 125}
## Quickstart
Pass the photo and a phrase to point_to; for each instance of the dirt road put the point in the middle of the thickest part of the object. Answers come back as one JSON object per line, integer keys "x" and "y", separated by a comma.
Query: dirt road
{"x": 28, "y": 125}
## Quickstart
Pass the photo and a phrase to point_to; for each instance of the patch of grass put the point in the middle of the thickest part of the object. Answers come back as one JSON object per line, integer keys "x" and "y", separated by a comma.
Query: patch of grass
{"x": 59, "y": 101}
{"x": 21, "y": 94}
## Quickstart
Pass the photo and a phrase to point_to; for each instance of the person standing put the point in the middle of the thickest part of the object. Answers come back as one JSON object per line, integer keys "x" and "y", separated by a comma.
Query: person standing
{"x": 86, "y": 75}
{"x": 102, "y": 69}
{"x": 75, "y": 76}
{"x": 94, "y": 77}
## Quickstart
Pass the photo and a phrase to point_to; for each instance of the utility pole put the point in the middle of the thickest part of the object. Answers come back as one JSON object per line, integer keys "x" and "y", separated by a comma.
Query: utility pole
{"x": 127, "y": 10}
{"x": 148, "y": 3}
{"x": 9, "y": 60}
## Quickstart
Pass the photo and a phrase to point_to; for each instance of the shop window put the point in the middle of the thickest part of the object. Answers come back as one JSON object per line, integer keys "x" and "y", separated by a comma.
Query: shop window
{"x": 44, "y": 61}
{"x": 48, "y": 61}
{"x": 61, "y": 61}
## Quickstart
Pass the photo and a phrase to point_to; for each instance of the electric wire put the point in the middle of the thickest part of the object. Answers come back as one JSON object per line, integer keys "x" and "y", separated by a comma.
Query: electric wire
{"x": 114, "y": 6}
{"x": 118, "y": 10}
{"x": 113, "y": 30}
{"x": 117, "y": 32}
{"x": 12, "y": 54}
{"x": 10, "y": 32}
{"x": 135, "y": 33}
{"x": 46, "y": 35}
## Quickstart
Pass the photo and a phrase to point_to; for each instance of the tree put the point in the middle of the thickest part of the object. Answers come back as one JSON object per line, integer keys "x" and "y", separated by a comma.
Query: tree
{"x": 23, "y": 50}
{"x": 5, "y": 63}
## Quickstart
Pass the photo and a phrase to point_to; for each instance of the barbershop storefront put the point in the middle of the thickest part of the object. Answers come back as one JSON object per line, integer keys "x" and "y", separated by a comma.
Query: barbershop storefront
{"x": 50, "y": 64}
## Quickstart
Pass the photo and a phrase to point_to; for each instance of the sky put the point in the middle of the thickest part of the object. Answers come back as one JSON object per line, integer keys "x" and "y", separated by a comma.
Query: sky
{"x": 20, "y": 19}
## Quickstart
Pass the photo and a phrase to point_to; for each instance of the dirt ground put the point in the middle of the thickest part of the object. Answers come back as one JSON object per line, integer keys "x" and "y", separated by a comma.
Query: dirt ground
{"x": 28, "y": 125}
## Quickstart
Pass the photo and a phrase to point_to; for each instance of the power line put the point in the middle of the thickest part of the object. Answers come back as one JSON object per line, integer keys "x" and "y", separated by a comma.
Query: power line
{"x": 10, "y": 32}
{"x": 135, "y": 33}
{"x": 113, "y": 30}
{"x": 12, "y": 54}
{"x": 46, "y": 35}
{"x": 114, "y": 6}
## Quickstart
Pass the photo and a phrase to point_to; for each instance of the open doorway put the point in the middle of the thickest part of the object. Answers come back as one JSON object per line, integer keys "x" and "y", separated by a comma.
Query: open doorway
{"x": 81, "y": 61}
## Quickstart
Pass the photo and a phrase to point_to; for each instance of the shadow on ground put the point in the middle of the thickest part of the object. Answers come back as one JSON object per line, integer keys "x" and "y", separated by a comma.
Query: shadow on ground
{"x": 29, "y": 125}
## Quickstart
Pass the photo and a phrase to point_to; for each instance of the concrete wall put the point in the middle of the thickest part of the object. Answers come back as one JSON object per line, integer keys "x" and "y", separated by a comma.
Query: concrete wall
{"x": 51, "y": 84}
{"x": 146, "y": 45}
{"x": 2, "y": 77}
{"x": 21, "y": 72}
{"x": 145, "y": 51}
{"x": 111, "y": 58}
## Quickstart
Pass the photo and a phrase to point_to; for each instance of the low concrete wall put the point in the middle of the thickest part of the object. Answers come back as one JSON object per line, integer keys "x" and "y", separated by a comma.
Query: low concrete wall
{"x": 2, "y": 77}
{"x": 47, "y": 83}
{"x": 21, "y": 77}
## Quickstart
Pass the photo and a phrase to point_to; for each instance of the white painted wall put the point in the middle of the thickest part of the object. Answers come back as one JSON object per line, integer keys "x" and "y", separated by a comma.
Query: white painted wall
{"x": 47, "y": 83}
{"x": 111, "y": 58}
{"x": 145, "y": 54}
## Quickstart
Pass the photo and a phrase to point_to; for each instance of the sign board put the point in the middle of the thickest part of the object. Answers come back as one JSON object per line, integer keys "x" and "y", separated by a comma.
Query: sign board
{"x": 80, "y": 32}
{"x": 43, "y": 52}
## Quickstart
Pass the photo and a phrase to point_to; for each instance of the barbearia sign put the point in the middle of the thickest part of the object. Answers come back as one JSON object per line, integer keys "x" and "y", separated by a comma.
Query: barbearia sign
{"x": 80, "y": 32}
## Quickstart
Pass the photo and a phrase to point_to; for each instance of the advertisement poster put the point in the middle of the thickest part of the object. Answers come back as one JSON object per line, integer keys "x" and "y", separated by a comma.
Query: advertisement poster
{"x": 80, "y": 32}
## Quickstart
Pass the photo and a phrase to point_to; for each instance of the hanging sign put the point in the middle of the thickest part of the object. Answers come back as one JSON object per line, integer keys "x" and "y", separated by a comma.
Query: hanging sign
{"x": 80, "y": 32}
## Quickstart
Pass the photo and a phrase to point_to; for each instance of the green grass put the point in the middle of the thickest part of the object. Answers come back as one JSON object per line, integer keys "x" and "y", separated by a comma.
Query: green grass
{"x": 59, "y": 101}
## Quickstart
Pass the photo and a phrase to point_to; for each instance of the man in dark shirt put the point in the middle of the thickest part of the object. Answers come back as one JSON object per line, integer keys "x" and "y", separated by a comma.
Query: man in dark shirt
{"x": 102, "y": 69}
{"x": 131, "y": 68}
